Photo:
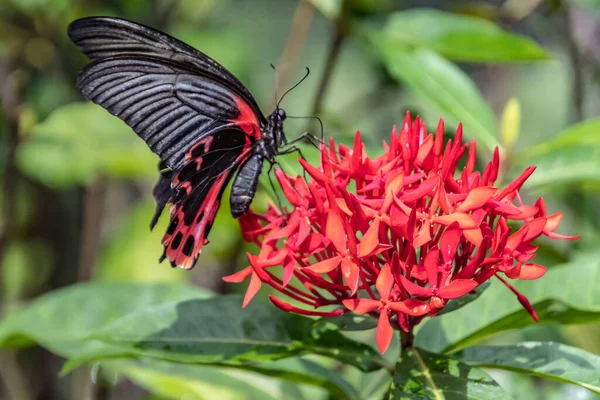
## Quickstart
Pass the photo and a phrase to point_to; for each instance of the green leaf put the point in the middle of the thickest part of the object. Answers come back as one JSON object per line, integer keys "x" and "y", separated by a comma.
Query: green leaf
{"x": 172, "y": 381}
{"x": 444, "y": 85}
{"x": 572, "y": 155}
{"x": 567, "y": 294}
{"x": 455, "y": 304}
{"x": 218, "y": 330}
{"x": 422, "y": 375}
{"x": 460, "y": 37}
{"x": 62, "y": 320}
{"x": 549, "y": 360}
{"x": 256, "y": 381}
{"x": 79, "y": 142}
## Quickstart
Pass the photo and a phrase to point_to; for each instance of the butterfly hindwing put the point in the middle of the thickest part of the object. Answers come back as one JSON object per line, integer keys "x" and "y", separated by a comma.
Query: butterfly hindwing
{"x": 199, "y": 187}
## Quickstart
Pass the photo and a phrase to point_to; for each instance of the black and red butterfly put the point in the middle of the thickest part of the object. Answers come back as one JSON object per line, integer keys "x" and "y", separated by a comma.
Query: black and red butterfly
{"x": 194, "y": 114}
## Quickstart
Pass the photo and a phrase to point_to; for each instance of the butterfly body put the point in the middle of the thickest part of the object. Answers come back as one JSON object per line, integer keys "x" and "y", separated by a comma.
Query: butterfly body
{"x": 196, "y": 116}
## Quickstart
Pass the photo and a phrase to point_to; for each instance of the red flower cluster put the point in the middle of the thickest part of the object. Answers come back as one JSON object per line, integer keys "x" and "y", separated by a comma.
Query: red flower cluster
{"x": 405, "y": 224}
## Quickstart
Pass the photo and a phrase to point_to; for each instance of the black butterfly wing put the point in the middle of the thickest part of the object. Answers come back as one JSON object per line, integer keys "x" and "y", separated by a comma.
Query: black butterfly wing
{"x": 170, "y": 94}
{"x": 198, "y": 187}
{"x": 199, "y": 119}
{"x": 107, "y": 37}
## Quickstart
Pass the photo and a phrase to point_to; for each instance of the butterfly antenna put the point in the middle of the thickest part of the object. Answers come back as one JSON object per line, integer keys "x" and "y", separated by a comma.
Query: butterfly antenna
{"x": 295, "y": 86}
{"x": 275, "y": 69}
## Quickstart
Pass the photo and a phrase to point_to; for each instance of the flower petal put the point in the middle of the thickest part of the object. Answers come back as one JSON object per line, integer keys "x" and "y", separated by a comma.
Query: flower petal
{"x": 536, "y": 227}
{"x": 457, "y": 288}
{"x": 325, "y": 266}
{"x": 474, "y": 236}
{"x": 384, "y": 332}
{"x": 449, "y": 243}
{"x": 253, "y": 288}
{"x": 412, "y": 307}
{"x": 384, "y": 282}
{"x": 465, "y": 221}
{"x": 423, "y": 235}
{"x": 476, "y": 198}
{"x": 288, "y": 271}
{"x": 335, "y": 231}
{"x": 282, "y": 305}
{"x": 431, "y": 264}
{"x": 239, "y": 276}
{"x": 421, "y": 191}
{"x": 514, "y": 185}
{"x": 413, "y": 289}
{"x": 316, "y": 174}
{"x": 370, "y": 239}
{"x": 532, "y": 271}
{"x": 361, "y": 306}
{"x": 288, "y": 190}
{"x": 351, "y": 273}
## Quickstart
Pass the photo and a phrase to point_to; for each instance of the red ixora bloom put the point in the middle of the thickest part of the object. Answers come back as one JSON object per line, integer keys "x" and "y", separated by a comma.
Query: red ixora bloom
{"x": 396, "y": 236}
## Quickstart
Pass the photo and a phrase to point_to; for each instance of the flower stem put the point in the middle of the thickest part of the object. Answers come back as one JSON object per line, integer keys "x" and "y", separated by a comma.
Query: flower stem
{"x": 406, "y": 339}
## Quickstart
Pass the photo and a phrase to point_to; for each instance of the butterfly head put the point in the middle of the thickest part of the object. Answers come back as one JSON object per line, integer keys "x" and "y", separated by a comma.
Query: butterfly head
{"x": 281, "y": 114}
{"x": 276, "y": 135}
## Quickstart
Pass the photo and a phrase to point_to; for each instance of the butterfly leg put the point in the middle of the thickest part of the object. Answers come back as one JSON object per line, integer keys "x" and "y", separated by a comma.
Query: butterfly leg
{"x": 295, "y": 149}
{"x": 315, "y": 141}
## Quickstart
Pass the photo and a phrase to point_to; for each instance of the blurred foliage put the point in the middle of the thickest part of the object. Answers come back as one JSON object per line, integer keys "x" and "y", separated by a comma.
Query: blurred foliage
{"x": 505, "y": 69}
{"x": 80, "y": 142}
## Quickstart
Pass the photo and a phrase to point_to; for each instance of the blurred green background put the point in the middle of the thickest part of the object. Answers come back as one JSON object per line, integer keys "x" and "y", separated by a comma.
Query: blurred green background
{"x": 76, "y": 182}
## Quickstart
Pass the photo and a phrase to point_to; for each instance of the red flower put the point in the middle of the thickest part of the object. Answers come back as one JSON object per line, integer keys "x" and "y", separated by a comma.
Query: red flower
{"x": 406, "y": 223}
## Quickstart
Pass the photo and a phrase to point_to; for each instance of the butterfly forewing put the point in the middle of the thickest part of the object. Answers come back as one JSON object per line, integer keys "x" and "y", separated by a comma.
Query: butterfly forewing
{"x": 105, "y": 37}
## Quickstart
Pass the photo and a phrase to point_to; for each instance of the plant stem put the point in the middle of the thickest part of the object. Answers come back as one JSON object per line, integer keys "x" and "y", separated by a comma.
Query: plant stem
{"x": 303, "y": 17}
{"x": 332, "y": 57}
{"x": 11, "y": 98}
{"x": 406, "y": 339}
{"x": 93, "y": 207}
{"x": 578, "y": 88}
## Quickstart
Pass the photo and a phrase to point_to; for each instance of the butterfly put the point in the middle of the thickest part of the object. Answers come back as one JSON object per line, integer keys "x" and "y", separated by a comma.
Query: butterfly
{"x": 200, "y": 120}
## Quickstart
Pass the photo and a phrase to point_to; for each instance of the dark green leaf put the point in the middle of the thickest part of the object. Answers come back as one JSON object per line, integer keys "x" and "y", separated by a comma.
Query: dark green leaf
{"x": 422, "y": 375}
{"x": 549, "y": 360}
{"x": 454, "y": 305}
{"x": 349, "y": 322}
{"x": 60, "y": 321}
{"x": 567, "y": 294}
{"x": 219, "y": 331}
{"x": 444, "y": 85}
{"x": 460, "y": 37}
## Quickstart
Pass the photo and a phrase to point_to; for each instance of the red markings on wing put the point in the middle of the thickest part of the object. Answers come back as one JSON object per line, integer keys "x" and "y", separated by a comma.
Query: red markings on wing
{"x": 184, "y": 245}
{"x": 198, "y": 148}
{"x": 183, "y": 242}
{"x": 247, "y": 120}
